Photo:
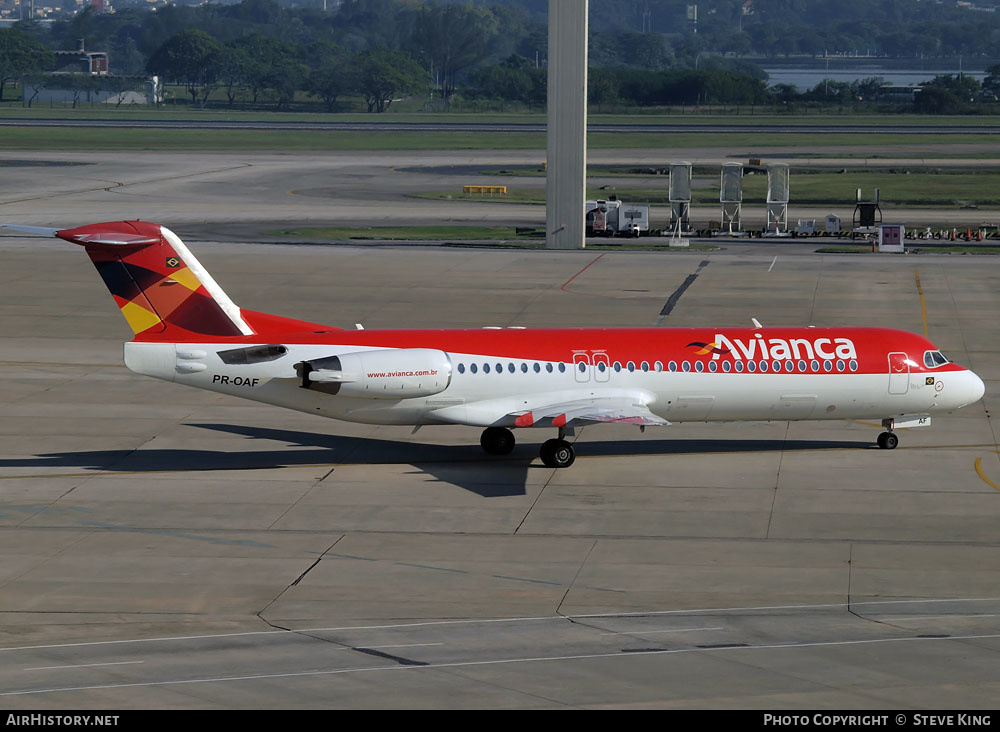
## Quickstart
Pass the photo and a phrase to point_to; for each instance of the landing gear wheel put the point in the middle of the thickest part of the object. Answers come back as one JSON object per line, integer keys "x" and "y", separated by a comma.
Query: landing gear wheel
{"x": 557, "y": 454}
{"x": 888, "y": 441}
{"x": 497, "y": 440}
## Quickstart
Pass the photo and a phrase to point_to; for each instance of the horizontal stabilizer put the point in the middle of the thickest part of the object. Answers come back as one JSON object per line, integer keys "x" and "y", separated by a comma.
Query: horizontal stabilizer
{"x": 40, "y": 230}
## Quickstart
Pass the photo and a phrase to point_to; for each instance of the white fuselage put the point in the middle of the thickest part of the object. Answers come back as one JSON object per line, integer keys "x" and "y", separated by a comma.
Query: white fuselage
{"x": 486, "y": 390}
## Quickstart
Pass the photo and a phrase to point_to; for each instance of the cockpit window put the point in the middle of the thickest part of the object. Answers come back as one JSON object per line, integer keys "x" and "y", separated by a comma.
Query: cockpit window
{"x": 933, "y": 359}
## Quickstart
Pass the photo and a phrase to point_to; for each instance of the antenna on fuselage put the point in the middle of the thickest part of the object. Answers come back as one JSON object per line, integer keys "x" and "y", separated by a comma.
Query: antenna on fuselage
{"x": 756, "y": 323}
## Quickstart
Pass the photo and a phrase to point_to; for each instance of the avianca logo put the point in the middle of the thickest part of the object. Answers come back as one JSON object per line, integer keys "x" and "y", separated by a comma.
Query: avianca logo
{"x": 704, "y": 348}
{"x": 780, "y": 349}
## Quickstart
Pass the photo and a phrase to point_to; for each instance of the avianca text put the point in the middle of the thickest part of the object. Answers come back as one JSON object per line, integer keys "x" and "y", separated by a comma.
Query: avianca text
{"x": 780, "y": 349}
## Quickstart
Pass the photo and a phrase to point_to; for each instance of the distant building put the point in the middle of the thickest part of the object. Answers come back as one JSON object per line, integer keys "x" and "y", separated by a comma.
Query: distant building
{"x": 74, "y": 89}
{"x": 82, "y": 77}
{"x": 82, "y": 61}
{"x": 892, "y": 93}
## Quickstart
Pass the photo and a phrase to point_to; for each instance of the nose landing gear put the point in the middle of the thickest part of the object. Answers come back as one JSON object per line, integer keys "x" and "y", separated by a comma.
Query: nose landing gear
{"x": 887, "y": 440}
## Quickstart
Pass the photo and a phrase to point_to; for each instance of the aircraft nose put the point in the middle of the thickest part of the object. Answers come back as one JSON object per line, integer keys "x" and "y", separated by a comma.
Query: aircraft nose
{"x": 976, "y": 388}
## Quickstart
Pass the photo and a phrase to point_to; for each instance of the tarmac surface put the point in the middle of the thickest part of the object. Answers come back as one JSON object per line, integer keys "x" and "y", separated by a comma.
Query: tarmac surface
{"x": 164, "y": 547}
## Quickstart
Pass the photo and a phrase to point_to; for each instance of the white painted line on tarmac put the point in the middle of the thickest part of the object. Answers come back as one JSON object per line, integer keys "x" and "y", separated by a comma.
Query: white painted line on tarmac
{"x": 496, "y": 662}
{"x": 956, "y": 616}
{"x": 485, "y": 621}
{"x": 772, "y": 263}
{"x": 639, "y": 631}
{"x": 83, "y": 665}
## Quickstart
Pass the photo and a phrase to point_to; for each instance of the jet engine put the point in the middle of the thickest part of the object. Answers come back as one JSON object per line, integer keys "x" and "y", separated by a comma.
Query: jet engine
{"x": 383, "y": 374}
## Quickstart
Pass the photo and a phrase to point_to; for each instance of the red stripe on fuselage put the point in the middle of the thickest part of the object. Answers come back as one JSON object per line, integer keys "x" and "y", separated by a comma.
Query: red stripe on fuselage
{"x": 872, "y": 345}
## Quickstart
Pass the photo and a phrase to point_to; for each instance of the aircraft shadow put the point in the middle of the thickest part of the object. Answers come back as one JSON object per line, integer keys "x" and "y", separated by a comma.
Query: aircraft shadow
{"x": 465, "y": 466}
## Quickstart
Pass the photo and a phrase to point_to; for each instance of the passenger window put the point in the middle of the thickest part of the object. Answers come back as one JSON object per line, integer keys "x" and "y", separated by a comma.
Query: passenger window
{"x": 472, "y": 368}
{"x": 548, "y": 367}
{"x": 672, "y": 366}
{"x": 726, "y": 366}
{"x": 510, "y": 367}
{"x": 562, "y": 368}
{"x": 699, "y": 366}
{"x": 763, "y": 366}
{"x": 686, "y": 366}
{"x": 486, "y": 368}
{"x": 461, "y": 368}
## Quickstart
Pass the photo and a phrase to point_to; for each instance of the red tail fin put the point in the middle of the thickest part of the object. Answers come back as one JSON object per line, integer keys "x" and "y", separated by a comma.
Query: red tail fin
{"x": 162, "y": 290}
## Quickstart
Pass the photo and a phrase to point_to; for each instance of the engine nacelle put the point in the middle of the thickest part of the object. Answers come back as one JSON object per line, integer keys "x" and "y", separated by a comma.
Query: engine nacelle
{"x": 384, "y": 374}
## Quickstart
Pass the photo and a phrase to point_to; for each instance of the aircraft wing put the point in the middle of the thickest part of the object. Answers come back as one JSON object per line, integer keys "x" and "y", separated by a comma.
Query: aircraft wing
{"x": 560, "y": 409}
{"x": 621, "y": 410}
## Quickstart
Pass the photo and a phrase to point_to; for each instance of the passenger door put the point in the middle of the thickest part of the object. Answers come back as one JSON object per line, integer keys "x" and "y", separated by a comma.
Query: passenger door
{"x": 899, "y": 373}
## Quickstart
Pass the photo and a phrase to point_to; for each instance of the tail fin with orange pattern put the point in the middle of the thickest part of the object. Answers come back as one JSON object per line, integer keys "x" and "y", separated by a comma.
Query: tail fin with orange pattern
{"x": 162, "y": 290}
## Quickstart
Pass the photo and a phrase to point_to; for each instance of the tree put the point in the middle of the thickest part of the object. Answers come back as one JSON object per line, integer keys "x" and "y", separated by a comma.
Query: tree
{"x": 602, "y": 87}
{"x": 233, "y": 70}
{"x": 991, "y": 83}
{"x": 514, "y": 79}
{"x": 936, "y": 100}
{"x": 285, "y": 77}
{"x": 451, "y": 38}
{"x": 381, "y": 74}
{"x": 271, "y": 64}
{"x": 330, "y": 75}
{"x": 830, "y": 90}
{"x": 645, "y": 51}
{"x": 965, "y": 88}
{"x": 868, "y": 89}
{"x": 20, "y": 55}
{"x": 191, "y": 58}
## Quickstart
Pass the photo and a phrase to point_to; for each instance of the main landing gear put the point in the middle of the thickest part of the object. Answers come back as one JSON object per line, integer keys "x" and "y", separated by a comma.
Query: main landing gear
{"x": 497, "y": 440}
{"x": 887, "y": 440}
{"x": 555, "y": 453}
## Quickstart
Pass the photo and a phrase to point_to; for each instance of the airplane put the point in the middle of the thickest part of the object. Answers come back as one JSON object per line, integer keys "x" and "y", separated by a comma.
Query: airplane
{"x": 188, "y": 331}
